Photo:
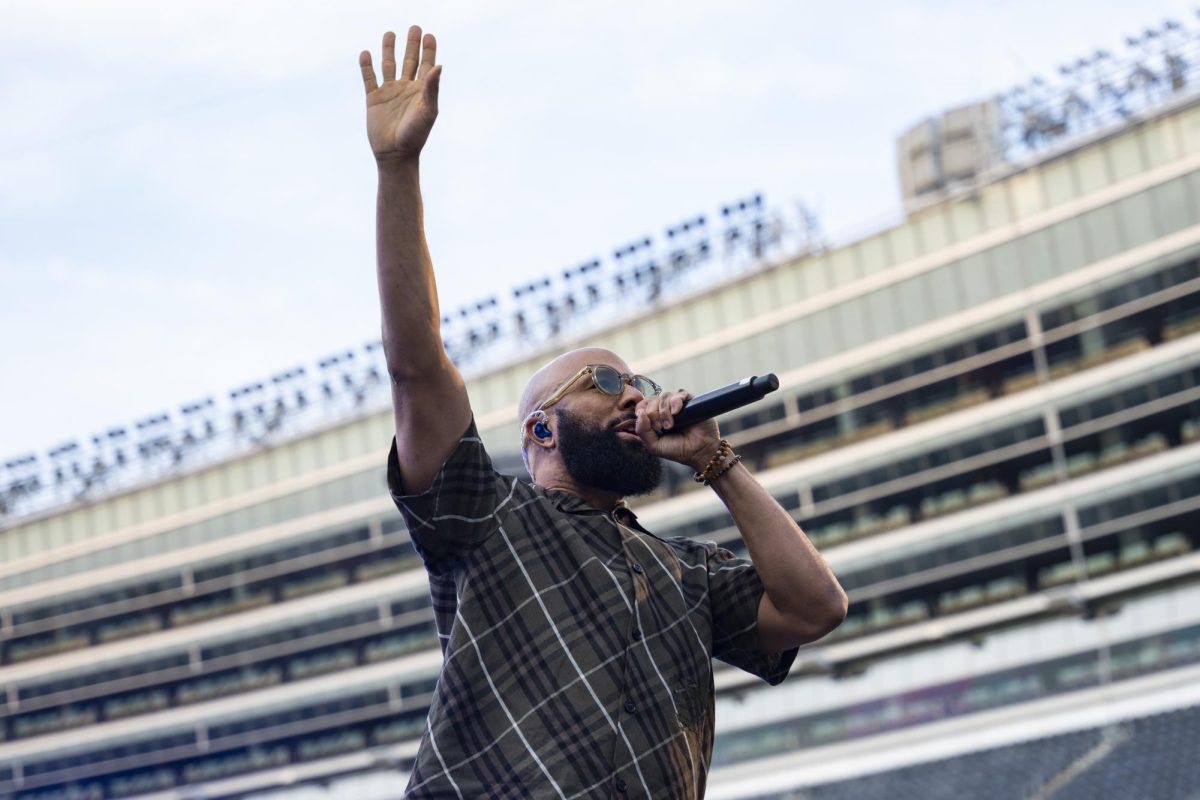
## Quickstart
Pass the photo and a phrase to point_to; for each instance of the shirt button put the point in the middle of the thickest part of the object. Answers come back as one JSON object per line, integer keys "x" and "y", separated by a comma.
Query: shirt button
{"x": 621, "y": 785}
{"x": 637, "y": 568}
{"x": 637, "y": 634}
{"x": 630, "y": 706}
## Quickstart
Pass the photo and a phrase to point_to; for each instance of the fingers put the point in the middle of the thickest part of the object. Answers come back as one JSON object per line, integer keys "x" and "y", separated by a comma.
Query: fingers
{"x": 643, "y": 427}
{"x": 389, "y": 56}
{"x": 368, "y": 71}
{"x": 659, "y": 412}
{"x": 670, "y": 404}
{"x": 412, "y": 50}
{"x": 414, "y": 57}
{"x": 428, "y": 55}
{"x": 678, "y": 400}
{"x": 432, "y": 81}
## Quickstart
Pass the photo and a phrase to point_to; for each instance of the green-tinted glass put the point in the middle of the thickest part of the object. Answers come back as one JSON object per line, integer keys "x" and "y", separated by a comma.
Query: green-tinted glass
{"x": 607, "y": 379}
{"x": 647, "y": 387}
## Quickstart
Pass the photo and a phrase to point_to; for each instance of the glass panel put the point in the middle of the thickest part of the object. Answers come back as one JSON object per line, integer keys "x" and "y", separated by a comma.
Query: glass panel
{"x": 1189, "y": 128}
{"x": 966, "y": 218}
{"x": 843, "y": 266}
{"x": 911, "y": 302}
{"x": 786, "y": 284}
{"x": 1039, "y": 256}
{"x": 759, "y": 296}
{"x": 741, "y": 356}
{"x": 814, "y": 276}
{"x": 191, "y": 491}
{"x": 1125, "y": 157}
{"x": 883, "y": 312}
{"x": 874, "y": 255}
{"x": 1091, "y": 170}
{"x": 1007, "y": 270}
{"x": 736, "y": 302}
{"x": 852, "y": 323}
{"x": 1102, "y": 232}
{"x": 1070, "y": 249}
{"x": 902, "y": 243}
{"x": 825, "y": 341}
{"x": 1058, "y": 182}
{"x": 995, "y": 206}
{"x": 975, "y": 277}
{"x": 170, "y": 498}
{"x": 943, "y": 290}
{"x": 678, "y": 328}
{"x": 1137, "y": 219}
{"x": 261, "y": 469}
{"x": 123, "y": 508}
{"x": 146, "y": 505}
{"x": 1172, "y": 206}
{"x": 1026, "y": 194}
{"x": 1158, "y": 143}
{"x": 765, "y": 351}
{"x": 932, "y": 230}
{"x": 794, "y": 340}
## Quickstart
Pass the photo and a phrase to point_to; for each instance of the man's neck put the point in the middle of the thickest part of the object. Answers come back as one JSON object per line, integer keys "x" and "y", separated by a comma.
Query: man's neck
{"x": 597, "y": 498}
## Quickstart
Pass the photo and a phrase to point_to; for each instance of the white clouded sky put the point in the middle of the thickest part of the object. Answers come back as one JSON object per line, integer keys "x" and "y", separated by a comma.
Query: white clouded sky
{"x": 186, "y": 193}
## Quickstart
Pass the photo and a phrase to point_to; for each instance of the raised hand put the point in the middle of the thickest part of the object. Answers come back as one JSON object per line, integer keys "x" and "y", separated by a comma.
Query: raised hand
{"x": 401, "y": 112}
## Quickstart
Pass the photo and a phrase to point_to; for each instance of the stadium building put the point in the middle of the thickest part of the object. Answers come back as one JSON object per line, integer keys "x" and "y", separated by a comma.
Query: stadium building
{"x": 988, "y": 421}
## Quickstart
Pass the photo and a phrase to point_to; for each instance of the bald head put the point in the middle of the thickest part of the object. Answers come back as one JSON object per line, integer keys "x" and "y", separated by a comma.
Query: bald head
{"x": 554, "y": 374}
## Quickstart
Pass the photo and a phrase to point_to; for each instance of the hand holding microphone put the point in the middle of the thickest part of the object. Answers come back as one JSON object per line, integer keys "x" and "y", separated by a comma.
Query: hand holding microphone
{"x": 684, "y": 414}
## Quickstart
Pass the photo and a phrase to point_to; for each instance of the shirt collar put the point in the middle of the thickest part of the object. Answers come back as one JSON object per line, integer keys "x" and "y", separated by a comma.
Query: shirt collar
{"x": 573, "y": 504}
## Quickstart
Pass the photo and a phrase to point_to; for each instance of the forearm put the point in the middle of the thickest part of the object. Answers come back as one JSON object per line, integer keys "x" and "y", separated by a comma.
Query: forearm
{"x": 407, "y": 289}
{"x": 797, "y": 581}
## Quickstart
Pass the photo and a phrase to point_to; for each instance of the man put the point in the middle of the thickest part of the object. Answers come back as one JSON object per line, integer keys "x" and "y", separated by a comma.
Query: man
{"x": 577, "y": 645}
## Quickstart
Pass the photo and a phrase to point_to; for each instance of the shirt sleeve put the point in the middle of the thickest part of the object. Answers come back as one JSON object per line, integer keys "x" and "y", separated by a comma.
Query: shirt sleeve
{"x": 460, "y": 510}
{"x": 734, "y": 591}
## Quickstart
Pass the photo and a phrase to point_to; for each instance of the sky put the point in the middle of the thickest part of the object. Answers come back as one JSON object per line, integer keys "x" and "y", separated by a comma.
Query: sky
{"x": 187, "y": 195}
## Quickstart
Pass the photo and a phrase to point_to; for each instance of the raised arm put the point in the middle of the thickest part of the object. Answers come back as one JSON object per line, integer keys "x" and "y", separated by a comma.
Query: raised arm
{"x": 428, "y": 394}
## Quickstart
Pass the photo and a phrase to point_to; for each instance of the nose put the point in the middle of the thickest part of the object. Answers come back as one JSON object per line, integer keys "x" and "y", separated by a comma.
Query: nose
{"x": 630, "y": 396}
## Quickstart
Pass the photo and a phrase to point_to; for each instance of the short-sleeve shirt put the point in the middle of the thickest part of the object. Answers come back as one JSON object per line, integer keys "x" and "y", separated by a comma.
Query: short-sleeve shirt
{"x": 576, "y": 645}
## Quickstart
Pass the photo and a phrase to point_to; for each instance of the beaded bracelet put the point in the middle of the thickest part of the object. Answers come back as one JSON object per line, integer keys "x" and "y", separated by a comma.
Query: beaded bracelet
{"x": 718, "y": 465}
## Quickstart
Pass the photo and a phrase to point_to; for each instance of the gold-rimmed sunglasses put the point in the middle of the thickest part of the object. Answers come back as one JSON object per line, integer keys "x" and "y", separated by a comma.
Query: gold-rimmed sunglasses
{"x": 608, "y": 380}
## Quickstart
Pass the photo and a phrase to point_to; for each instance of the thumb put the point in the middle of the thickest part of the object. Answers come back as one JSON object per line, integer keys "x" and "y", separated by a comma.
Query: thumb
{"x": 432, "y": 81}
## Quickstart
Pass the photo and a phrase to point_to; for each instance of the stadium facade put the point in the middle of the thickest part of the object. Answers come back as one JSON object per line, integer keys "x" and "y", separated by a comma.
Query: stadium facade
{"x": 988, "y": 421}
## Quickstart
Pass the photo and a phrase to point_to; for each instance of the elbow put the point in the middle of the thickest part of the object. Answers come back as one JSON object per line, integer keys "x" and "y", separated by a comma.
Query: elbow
{"x": 838, "y": 611}
{"x": 819, "y": 621}
{"x": 839, "y": 605}
{"x": 831, "y": 614}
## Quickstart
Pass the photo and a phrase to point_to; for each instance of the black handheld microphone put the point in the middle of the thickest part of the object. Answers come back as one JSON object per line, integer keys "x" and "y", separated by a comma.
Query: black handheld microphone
{"x": 727, "y": 398}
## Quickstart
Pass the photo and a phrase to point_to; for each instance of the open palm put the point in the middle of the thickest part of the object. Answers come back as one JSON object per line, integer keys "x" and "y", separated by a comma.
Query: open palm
{"x": 401, "y": 112}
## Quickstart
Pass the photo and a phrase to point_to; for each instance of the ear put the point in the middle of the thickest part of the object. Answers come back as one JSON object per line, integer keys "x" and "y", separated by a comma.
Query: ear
{"x": 538, "y": 430}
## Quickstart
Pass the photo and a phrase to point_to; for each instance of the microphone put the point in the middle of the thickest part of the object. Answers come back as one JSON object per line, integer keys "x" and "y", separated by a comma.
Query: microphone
{"x": 727, "y": 398}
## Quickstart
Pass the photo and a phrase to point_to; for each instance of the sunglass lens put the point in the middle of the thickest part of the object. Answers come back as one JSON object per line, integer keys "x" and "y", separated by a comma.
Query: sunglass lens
{"x": 608, "y": 380}
{"x": 647, "y": 387}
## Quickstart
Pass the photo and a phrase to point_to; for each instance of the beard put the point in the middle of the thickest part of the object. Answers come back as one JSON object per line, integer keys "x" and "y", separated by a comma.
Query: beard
{"x": 598, "y": 458}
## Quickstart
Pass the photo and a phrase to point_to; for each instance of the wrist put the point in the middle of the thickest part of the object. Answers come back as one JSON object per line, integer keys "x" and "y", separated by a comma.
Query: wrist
{"x": 705, "y": 456}
{"x": 397, "y": 164}
{"x": 723, "y": 460}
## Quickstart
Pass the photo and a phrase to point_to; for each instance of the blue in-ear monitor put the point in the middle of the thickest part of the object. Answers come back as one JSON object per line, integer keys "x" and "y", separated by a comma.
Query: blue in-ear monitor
{"x": 541, "y": 431}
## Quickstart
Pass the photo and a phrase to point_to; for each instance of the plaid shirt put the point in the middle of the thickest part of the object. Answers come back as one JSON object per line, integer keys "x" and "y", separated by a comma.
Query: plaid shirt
{"x": 577, "y": 645}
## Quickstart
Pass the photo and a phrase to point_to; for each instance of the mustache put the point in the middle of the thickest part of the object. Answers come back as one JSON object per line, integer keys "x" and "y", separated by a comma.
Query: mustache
{"x": 621, "y": 421}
